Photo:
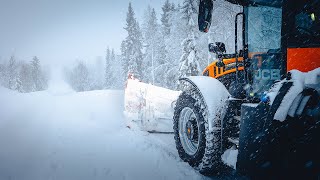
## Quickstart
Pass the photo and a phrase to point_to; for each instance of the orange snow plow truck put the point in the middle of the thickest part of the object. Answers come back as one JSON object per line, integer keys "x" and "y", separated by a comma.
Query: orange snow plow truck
{"x": 256, "y": 111}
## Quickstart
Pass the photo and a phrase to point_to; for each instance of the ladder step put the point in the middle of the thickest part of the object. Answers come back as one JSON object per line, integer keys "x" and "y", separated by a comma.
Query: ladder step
{"x": 234, "y": 141}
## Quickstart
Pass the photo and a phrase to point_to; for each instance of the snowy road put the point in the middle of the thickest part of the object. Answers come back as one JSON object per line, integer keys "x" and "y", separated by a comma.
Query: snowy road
{"x": 61, "y": 134}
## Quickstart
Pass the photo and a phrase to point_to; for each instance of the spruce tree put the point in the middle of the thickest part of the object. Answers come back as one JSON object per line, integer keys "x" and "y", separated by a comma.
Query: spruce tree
{"x": 80, "y": 77}
{"x": 12, "y": 73}
{"x": 165, "y": 17}
{"x": 108, "y": 70}
{"x": 189, "y": 15}
{"x": 35, "y": 64}
{"x": 113, "y": 56}
{"x": 2, "y": 74}
{"x": 189, "y": 62}
{"x": 151, "y": 42}
{"x": 26, "y": 79}
{"x": 131, "y": 47}
{"x": 173, "y": 46}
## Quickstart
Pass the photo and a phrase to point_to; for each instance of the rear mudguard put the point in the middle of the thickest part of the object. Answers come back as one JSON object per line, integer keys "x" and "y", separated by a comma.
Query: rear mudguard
{"x": 212, "y": 93}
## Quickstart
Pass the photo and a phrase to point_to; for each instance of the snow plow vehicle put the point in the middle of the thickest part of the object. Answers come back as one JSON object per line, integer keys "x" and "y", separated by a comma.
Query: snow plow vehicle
{"x": 256, "y": 110}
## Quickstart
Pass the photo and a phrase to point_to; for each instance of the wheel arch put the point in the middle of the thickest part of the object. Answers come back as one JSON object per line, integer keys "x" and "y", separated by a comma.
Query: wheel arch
{"x": 210, "y": 91}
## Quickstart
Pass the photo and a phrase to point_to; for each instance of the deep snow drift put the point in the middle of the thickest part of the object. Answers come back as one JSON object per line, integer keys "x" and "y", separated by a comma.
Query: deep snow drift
{"x": 61, "y": 134}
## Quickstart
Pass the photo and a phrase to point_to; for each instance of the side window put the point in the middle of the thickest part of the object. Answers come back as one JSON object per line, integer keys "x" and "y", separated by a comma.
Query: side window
{"x": 302, "y": 25}
{"x": 307, "y": 23}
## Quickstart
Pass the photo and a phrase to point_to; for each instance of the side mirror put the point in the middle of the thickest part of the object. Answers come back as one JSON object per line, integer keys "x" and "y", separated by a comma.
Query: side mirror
{"x": 217, "y": 48}
{"x": 205, "y": 15}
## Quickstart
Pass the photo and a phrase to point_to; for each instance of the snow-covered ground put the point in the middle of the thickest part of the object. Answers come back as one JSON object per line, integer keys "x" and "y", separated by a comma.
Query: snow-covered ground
{"x": 61, "y": 134}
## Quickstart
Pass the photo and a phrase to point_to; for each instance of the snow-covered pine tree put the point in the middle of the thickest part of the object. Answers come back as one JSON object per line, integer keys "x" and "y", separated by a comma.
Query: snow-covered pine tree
{"x": 167, "y": 9}
{"x": 114, "y": 70}
{"x": 167, "y": 68}
{"x": 2, "y": 74}
{"x": 173, "y": 46}
{"x": 162, "y": 65}
{"x": 131, "y": 47}
{"x": 12, "y": 74}
{"x": 35, "y": 66}
{"x": 154, "y": 49}
{"x": 108, "y": 70}
{"x": 25, "y": 77}
{"x": 189, "y": 62}
{"x": 173, "y": 31}
{"x": 80, "y": 77}
{"x": 39, "y": 77}
{"x": 117, "y": 70}
{"x": 189, "y": 15}
{"x": 148, "y": 44}
{"x": 173, "y": 6}
{"x": 113, "y": 56}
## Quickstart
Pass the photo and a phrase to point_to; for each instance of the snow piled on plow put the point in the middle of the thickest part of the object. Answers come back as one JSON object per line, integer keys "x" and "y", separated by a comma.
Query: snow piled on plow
{"x": 300, "y": 82}
{"x": 149, "y": 107}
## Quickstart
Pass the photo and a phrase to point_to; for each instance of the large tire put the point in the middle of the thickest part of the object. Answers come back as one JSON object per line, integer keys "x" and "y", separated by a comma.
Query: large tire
{"x": 207, "y": 157}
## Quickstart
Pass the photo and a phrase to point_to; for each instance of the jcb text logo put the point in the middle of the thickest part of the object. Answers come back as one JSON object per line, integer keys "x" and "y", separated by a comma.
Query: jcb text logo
{"x": 267, "y": 74}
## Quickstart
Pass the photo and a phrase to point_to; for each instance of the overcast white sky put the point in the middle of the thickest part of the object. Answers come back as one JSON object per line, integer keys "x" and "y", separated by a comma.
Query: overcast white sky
{"x": 61, "y": 31}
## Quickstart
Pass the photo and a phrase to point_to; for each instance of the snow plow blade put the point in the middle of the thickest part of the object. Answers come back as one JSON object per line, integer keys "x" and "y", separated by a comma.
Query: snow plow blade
{"x": 149, "y": 107}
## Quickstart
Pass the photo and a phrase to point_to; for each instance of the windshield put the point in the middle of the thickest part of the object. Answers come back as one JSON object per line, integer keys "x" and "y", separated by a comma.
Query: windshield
{"x": 264, "y": 28}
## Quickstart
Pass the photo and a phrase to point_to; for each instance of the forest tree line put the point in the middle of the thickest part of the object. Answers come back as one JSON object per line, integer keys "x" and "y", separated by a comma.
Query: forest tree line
{"x": 160, "y": 49}
{"x": 102, "y": 74}
{"x": 169, "y": 46}
{"x": 23, "y": 76}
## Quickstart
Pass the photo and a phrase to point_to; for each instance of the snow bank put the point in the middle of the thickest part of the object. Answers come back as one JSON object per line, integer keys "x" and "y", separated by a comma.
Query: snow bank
{"x": 81, "y": 136}
{"x": 150, "y": 106}
{"x": 300, "y": 81}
